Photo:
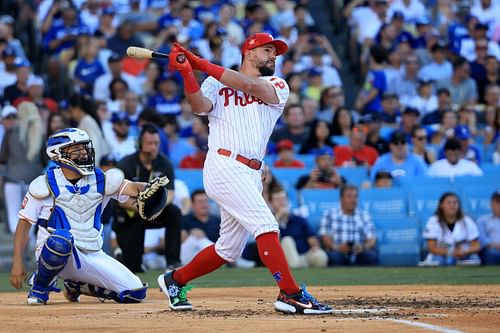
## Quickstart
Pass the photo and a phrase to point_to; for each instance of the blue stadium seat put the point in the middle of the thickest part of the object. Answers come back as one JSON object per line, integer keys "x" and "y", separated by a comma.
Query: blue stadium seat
{"x": 423, "y": 200}
{"x": 410, "y": 183}
{"x": 288, "y": 177}
{"x": 270, "y": 159}
{"x": 340, "y": 139}
{"x": 388, "y": 202}
{"x": 491, "y": 170}
{"x": 398, "y": 241}
{"x": 192, "y": 177}
{"x": 317, "y": 202}
{"x": 477, "y": 198}
{"x": 386, "y": 132}
{"x": 355, "y": 175}
{"x": 487, "y": 153}
{"x": 309, "y": 160}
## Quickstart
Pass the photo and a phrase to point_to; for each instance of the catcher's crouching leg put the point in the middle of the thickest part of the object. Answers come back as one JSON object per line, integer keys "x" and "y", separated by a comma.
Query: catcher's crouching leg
{"x": 73, "y": 290}
{"x": 54, "y": 256}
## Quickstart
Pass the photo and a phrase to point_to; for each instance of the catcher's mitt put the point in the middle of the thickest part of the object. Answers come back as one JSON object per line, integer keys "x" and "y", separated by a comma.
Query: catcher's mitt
{"x": 153, "y": 198}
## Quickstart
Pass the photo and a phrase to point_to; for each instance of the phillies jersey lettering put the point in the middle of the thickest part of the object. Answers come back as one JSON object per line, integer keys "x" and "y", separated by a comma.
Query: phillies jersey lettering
{"x": 238, "y": 100}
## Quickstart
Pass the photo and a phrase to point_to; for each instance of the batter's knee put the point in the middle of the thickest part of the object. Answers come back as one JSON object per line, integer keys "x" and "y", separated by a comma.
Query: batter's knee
{"x": 230, "y": 254}
{"x": 266, "y": 228}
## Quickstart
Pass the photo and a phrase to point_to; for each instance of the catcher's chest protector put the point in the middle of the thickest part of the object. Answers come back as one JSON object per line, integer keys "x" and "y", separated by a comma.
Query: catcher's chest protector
{"x": 78, "y": 207}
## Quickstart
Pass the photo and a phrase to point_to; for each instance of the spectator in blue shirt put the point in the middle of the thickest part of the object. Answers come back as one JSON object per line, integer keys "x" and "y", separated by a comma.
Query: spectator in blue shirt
{"x": 399, "y": 162}
{"x": 62, "y": 35}
{"x": 168, "y": 100}
{"x": 88, "y": 68}
{"x": 370, "y": 97}
{"x": 300, "y": 243}
{"x": 489, "y": 233}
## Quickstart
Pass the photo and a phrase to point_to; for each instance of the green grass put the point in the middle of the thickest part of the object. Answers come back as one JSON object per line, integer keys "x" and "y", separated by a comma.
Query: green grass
{"x": 232, "y": 277}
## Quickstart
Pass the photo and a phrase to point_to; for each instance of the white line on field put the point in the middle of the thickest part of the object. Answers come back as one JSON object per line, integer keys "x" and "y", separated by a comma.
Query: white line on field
{"x": 424, "y": 325}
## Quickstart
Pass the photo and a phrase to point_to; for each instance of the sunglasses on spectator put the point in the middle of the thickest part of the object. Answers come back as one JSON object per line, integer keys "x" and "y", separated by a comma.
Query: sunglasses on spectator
{"x": 122, "y": 123}
{"x": 399, "y": 143}
{"x": 420, "y": 138}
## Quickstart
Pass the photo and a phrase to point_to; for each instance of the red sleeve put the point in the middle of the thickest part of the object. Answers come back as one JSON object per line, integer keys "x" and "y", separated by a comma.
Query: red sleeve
{"x": 372, "y": 155}
{"x": 342, "y": 154}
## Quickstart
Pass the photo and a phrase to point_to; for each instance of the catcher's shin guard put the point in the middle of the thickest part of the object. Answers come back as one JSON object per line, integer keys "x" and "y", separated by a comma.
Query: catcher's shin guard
{"x": 54, "y": 256}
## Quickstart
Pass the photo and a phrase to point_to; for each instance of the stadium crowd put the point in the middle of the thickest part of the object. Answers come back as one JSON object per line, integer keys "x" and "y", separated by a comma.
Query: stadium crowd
{"x": 429, "y": 106}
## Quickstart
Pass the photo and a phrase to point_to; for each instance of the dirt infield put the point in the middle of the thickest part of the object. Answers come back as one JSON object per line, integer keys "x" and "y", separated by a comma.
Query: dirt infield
{"x": 358, "y": 309}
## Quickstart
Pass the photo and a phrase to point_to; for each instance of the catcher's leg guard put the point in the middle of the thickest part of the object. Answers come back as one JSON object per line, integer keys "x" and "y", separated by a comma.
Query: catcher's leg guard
{"x": 133, "y": 296}
{"x": 54, "y": 256}
{"x": 73, "y": 290}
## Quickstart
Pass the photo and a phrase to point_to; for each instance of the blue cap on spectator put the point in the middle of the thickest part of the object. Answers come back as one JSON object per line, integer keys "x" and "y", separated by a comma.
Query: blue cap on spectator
{"x": 120, "y": 116}
{"x": 398, "y": 15}
{"x": 323, "y": 151}
{"x": 108, "y": 10}
{"x": 84, "y": 30}
{"x": 313, "y": 72}
{"x": 107, "y": 160}
{"x": 114, "y": 57}
{"x": 496, "y": 195}
{"x": 370, "y": 118}
{"x": 22, "y": 63}
{"x": 424, "y": 20}
{"x": 481, "y": 26}
{"x": 7, "y": 19}
{"x": 410, "y": 110}
{"x": 462, "y": 132}
{"x": 8, "y": 52}
{"x": 63, "y": 105}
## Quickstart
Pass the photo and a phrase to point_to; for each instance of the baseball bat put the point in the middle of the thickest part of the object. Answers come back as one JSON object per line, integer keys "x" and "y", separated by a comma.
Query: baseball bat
{"x": 143, "y": 53}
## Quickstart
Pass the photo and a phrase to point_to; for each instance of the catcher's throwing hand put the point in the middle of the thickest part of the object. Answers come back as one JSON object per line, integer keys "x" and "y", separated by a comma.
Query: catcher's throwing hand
{"x": 17, "y": 275}
{"x": 177, "y": 61}
{"x": 152, "y": 200}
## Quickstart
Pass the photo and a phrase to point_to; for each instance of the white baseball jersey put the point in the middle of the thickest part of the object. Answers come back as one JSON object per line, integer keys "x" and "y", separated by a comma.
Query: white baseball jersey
{"x": 464, "y": 231}
{"x": 86, "y": 265}
{"x": 242, "y": 124}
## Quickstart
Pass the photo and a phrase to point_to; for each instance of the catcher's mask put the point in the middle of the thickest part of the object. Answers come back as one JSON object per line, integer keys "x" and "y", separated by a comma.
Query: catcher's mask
{"x": 63, "y": 148}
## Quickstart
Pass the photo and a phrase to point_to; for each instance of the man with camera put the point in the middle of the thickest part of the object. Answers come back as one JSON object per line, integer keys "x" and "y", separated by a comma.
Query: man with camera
{"x": 324, "y": 174}
{"x": 348, "y": 233}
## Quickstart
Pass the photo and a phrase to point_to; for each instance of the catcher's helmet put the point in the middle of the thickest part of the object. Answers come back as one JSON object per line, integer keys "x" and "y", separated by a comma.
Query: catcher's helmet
{"x": 65, "y": 138}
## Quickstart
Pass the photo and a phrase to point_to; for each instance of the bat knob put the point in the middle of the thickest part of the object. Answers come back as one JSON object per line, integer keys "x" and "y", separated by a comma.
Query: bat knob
{"x": 181, "y": 58}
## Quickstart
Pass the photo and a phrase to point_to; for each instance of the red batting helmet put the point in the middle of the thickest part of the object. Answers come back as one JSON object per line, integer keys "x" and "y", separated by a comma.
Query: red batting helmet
{"x": 262, "y": 38}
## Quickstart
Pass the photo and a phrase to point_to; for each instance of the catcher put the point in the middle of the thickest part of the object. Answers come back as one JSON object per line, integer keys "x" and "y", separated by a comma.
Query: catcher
{"x": 66, "y": 203}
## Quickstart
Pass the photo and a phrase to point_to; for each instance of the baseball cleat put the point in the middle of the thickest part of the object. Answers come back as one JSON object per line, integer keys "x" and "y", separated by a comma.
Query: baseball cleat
{"x": 301, "y": 303}
{"x": 37, "y": 297}
{"x": 176, "y": 293}
{"x": 71, "y": 291}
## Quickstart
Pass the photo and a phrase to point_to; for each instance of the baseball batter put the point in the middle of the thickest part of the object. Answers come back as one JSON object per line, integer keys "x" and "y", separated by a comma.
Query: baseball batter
{"x": 66, "y": 203}
{"x": 242, "y": 109}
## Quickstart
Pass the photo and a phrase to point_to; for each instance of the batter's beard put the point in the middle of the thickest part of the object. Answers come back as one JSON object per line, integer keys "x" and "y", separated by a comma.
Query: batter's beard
{"x": 264, "y": 70}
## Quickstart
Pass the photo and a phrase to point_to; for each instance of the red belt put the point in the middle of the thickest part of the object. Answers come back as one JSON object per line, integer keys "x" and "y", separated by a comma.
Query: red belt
{"x": 251, "y": 163}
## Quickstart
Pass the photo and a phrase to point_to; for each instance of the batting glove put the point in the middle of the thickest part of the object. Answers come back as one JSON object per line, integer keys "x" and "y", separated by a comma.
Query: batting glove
{"x": 196, "y": 62}
{"x": 199, "y": 63}
{"x": 177, "y": 61}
